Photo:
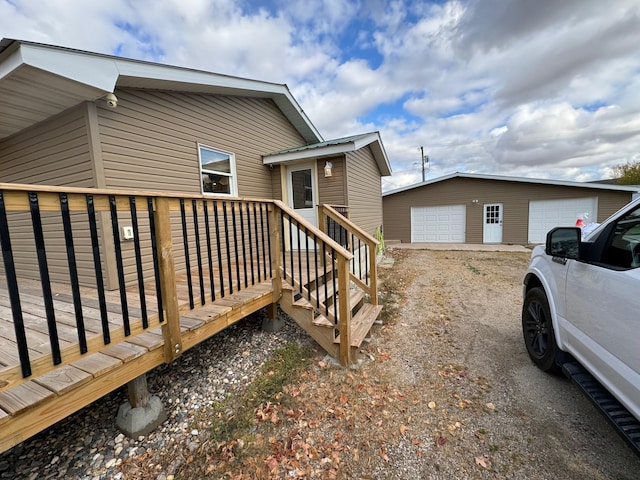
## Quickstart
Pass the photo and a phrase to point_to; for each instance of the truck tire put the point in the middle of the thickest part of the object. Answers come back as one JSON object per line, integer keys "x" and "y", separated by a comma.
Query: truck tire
{"x": 538, "y": 333}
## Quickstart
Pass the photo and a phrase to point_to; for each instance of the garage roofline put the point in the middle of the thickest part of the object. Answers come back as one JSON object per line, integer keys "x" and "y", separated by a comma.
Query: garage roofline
{"x": 541, "y": 181}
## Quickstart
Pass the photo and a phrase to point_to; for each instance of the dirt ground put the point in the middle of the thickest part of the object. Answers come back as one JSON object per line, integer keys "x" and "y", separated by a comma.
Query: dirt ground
{"x": 445, "y": 391}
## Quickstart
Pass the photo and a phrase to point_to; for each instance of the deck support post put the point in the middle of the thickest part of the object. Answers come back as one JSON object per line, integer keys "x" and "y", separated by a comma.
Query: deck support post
{"x": 171, "y": 325}
{"x": 273, "y": 323}
{"x": 344, "y": 311}
{"x": 142, "y": 413}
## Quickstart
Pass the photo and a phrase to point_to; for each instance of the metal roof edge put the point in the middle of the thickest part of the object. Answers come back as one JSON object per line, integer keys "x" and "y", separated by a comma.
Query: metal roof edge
{"x": 541, "y": 181}
{"x": 104, "y": 72}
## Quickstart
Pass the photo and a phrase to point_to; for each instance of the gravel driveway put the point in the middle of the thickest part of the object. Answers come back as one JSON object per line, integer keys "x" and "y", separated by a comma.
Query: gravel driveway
{"x": 459, "y": 329}
{"x": 445, "y": 391}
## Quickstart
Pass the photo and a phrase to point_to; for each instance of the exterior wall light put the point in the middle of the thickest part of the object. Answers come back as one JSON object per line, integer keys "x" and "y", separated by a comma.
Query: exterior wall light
{"x": 327, "y": 168}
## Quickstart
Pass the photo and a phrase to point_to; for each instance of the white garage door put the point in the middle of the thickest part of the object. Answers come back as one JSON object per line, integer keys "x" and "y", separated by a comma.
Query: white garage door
{"x": 438, "y": 224}
{"x": 547, "y": 214}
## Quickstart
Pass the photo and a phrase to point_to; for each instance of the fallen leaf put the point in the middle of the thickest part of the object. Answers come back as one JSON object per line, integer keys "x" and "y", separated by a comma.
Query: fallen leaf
{"x": 432, "y": 405}
{"x": 491, "y": 406}
{"x": 403, "y": 429}
{"x": 441, "y": 441}
{"x": 483, "y": 462}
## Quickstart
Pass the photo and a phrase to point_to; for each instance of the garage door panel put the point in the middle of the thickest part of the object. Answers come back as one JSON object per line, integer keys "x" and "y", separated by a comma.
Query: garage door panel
{"x": 547, "y": 214}
{"x": 442, "y": 224}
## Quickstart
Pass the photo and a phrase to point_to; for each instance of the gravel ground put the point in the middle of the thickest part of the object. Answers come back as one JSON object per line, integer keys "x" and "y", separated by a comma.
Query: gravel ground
{"x": 445, "y": 391}
{"x": 88, "y": 445}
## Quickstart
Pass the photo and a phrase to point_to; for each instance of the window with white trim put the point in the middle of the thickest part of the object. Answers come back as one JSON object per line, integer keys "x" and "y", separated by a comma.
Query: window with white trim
{"x": 218, "y": 170}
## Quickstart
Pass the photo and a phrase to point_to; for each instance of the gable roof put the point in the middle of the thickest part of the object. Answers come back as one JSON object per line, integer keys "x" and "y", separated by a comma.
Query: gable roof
{"x": 481, "y": 176}
{"x": 335, "y": 147}
{"x": 38, "y": 81}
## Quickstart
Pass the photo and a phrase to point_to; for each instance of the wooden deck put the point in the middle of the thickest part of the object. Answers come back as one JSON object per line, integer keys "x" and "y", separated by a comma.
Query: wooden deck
{"x": 42, "y": 400}
{"x": 64, "y": 345}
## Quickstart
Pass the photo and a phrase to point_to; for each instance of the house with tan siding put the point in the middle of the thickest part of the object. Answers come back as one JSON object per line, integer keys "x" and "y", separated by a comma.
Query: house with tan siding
{"x": 478, "y": 208}
{"x": 146, "y": 207}
{"x": 81, "y": 119}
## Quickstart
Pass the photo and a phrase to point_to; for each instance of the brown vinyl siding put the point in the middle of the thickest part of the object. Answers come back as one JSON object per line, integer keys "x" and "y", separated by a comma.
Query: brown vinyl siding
{"x": 364, "y": 190}
{"x": 55, "y": 152}
{"x": 332, "y": 190}
{"x": 150, "y": 140}
{"x": 514, "y": 196}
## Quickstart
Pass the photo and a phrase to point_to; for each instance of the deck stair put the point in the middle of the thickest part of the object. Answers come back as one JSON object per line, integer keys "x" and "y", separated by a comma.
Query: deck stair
{"x": 320, "y": 323}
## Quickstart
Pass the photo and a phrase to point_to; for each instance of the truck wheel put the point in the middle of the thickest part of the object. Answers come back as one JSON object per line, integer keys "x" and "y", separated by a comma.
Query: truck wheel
{"x": 537, "y": 329}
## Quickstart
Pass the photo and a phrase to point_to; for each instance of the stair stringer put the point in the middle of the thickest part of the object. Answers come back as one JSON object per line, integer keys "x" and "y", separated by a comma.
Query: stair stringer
{"x": 303, "y": 314}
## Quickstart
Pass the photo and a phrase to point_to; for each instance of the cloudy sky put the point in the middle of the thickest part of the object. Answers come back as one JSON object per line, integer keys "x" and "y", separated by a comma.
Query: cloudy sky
{"x": 532, "y": 88}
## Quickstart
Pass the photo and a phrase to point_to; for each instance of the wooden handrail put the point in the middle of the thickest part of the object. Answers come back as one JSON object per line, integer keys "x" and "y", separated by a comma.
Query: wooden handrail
{"x": 372, "y": 243}
{"x": 315, "y": 230}
{"x": 346, "y": 223}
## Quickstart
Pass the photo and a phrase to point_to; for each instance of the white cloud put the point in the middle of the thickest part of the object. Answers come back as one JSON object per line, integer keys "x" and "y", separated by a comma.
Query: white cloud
{"x": 545, "y": 89}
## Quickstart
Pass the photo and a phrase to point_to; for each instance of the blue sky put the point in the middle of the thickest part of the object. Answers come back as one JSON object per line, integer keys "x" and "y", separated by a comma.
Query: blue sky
{"x": 545, "y": 88}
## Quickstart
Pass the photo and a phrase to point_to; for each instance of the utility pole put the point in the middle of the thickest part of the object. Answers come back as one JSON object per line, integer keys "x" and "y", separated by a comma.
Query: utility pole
{"x": 423, "y": 161}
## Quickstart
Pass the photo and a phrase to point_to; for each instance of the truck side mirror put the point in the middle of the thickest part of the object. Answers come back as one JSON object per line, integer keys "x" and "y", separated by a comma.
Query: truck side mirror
{"x": 564, "y": 242}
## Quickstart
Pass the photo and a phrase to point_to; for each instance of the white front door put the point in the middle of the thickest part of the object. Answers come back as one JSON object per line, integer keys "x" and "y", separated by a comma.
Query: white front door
{"x": 492, "y": 229}
{"x": 302, "y": 195}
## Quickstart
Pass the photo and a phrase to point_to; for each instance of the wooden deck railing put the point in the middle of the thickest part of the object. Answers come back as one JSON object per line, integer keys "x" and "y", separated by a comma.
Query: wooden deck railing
{"x": 361, "y": 245}
{"x": 123, "y": 255}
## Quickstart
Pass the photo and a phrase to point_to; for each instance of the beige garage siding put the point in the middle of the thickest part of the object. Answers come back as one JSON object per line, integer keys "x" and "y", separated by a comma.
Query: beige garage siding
{"x": 514, "y": 196}
{"x": 363, "y": 190}
{"x": 150, "y": 140}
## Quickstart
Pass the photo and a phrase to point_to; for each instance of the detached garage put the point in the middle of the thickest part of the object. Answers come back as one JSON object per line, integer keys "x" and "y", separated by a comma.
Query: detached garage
{"x": 476, "y": 208}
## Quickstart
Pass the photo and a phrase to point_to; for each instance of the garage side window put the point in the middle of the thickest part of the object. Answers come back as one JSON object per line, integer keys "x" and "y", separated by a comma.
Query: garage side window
{"x": 218, "y": 171}
{"x": 623, "y": 249}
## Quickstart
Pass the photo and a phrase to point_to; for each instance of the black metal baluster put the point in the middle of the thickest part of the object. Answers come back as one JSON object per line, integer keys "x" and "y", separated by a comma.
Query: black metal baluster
{"x": 226, "y": 237}
{"x": 291, "y": 251}
{"x": 284, "y": 255}
{"x": 217, "y": 223}
{"x": 187, "y": 259}
{"x": 326, "y": 290}
{"x": 209, "y": 253}
{"x": 359, "y": 258}
{"x": 73, "y": 271}
{"x": 353, "y": 260}
{"x": 253, "y": 279}
{"x": 154, "y": 252}
{"x": 194, "y": 208}
{"x": 366, "y": 264}
{"x": 315, "y": 259}
{"x": 336, "y": 307}
{"x": 138, "y": 254}
{"x": 255, "y": 227}
{"x": 268, "y": 239}
{"x": 244, "y": 252}
{"x": 115, "y": 229}
{"x": 235, "y": 244}
{"x": 306, "y": 232}
{"x": 14, "y": 293}
{"x": 43, "y": 266}
{"x": 299, "y": 258}
{"x": 97, "y": 267}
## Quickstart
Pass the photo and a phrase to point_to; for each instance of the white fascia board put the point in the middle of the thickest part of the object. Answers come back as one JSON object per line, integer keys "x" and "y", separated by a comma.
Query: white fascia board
{"x": 98, "y": 72}
{"x": 12, "y": 62}
{"x": 308, "y": 153}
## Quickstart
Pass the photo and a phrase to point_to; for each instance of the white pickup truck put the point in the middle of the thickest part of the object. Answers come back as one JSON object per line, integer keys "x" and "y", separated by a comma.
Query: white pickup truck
{"x": 581, "y": 313}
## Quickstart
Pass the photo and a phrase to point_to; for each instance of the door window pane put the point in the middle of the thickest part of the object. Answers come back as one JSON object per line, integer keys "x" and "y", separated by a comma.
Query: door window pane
{"x": 302, "y": 189}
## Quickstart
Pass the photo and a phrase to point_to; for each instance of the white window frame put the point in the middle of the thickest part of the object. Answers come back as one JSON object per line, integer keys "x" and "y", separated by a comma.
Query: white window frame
{"x": 233, "y": 177}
